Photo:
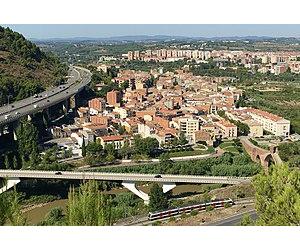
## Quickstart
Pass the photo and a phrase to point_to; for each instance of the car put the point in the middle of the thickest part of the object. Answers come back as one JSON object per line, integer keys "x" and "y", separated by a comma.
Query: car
{"x": 17, "y": 112}
{"x": 58, "y": 173}
{"x": 157, "y": 176}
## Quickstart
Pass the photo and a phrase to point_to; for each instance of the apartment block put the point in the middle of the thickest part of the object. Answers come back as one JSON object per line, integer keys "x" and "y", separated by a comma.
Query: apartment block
{"x": 271, "y": 123}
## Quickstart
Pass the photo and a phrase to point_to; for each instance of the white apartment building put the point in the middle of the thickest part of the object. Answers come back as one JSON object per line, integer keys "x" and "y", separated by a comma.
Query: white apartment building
{"x": 146, "y": 129}
{"x": 271, "y": 123}
{"x": 188, "y": 126}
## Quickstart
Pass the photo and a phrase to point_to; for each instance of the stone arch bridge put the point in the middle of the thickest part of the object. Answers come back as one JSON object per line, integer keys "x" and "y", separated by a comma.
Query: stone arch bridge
{"x": 260, "y": 155}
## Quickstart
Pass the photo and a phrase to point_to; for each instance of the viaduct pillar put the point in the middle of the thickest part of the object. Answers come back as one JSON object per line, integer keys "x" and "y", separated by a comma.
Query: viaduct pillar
{"x": 10, "y": 182}
{"x": 130, "y": 185}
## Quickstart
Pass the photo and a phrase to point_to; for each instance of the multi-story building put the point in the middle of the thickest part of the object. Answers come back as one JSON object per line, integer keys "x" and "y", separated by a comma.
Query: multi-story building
{"x": 271, "y": 123}
{"x": 227, "y": 129}
{"x": 97, "y": 104}
{"x": 116, "y": 140}
{"x": 113, "y": 98}
{"x": 136, "y": 55}
{"x": 130, "y": 55}
{"x": 188, "y": 126}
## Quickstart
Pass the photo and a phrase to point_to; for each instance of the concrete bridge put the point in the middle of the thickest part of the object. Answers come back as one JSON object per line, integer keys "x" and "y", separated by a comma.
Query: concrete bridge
{"x": 64, "y": 94}
{"x": 260, "y": 155}
{"x": 128, "y": 179}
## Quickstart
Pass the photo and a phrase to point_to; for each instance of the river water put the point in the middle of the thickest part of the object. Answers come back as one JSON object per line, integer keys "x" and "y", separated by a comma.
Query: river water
{"x": 37, "y": 214}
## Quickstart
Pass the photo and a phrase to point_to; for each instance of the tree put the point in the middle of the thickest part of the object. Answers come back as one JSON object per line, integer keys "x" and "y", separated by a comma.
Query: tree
{"x": 246, "y": 220}
{"x": 158, "y": 199}
{"x": 145, "y": 145}
{"x": 88, "y": 206}
{"x": 182, "y": 139}
{"x": 6, "y": 162}
{"x": 27, "y": 135}
{"x": 54, "y": 217}
{"x": 4, "y": 208}
{"x": 83, "y": 148}
{"x": 278, "y": 197}
{"x": 126, "y": 150}
{"x": 15, "y": 215}
{"x": 165, "y": 161}
{"x": 15, "y": 162}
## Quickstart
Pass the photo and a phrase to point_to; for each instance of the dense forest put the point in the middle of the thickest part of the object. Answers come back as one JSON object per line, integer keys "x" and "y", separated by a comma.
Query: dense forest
{"x": 24, "y": 68}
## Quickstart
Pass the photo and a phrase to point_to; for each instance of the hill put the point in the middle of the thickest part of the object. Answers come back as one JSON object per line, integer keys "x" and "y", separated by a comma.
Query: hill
{"x": 24, "y": 69}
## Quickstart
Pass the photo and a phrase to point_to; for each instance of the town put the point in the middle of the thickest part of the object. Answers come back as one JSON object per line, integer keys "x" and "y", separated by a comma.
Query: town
{"x": 167, "y": 106}
{"x": 153, "y": 132}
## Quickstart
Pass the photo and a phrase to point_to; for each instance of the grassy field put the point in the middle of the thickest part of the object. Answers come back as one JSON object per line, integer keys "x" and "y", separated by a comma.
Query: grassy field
{"x": 191, "y": 152}
{"x": 230, "y": 146}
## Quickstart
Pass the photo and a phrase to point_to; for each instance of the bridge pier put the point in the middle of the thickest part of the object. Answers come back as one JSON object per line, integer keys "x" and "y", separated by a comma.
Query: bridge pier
{"x": 73, "y": 102}
{"x": 15, "y": 135}
{"x": 168, "y": 186}
{"x": 130, "y": 185}
{"x": 11, "y": 182}
{"x": 66, "y": 106}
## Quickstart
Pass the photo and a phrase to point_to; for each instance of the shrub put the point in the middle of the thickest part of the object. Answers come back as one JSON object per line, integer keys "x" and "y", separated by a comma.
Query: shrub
{"x": 194, "y": 213}
{"x": 209, "y": 208}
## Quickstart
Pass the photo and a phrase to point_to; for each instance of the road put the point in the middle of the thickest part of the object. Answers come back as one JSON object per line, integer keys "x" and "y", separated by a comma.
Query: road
{"x": 78, "y": 79}
{"x": 234, "y": 219}
{"x": 132, "y": 163}
{"x": 37, "y": 174}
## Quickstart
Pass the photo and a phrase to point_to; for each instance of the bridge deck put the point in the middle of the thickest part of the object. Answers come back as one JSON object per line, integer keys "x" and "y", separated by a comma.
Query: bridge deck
{"x": 121, "y": 177}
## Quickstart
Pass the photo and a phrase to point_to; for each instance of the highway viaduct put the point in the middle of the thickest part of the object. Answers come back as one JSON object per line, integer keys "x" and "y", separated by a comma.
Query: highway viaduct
{"x": 65, "y": 94}
{"x": 128, "y": 180}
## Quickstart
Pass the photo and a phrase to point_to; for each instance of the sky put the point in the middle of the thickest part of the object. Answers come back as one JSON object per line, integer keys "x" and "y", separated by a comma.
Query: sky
{"x": 46, "y": 31}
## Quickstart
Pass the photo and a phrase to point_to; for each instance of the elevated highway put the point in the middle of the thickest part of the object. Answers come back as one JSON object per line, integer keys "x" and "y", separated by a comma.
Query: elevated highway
{"x": 77, "y": 80}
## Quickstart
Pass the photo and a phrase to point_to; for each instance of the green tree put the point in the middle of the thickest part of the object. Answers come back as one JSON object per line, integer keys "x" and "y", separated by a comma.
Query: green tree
{"x": 6, "y": 162}
{"x": 182, "y": 139}
{"x": 54, "y": 217}
{"x": 83, "y": 148}
{"x": 15, "y": 162}
{"x": 145, "y": 145}
{"x": 246, "y": 220}
{"x": 278, "y": 197}
{"x": 15, "y": 215}
{"x": 126, "y": 150}
{"x": 88, "y": 206}
{"x": 165, "y": 161}
{"x": 4, "y": 207}
{"x": 158, "y": 199}
{"x": 27, "y": 135}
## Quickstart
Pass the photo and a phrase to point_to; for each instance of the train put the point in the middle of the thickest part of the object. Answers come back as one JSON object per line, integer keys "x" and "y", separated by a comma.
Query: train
{"x": 181, "y": 210}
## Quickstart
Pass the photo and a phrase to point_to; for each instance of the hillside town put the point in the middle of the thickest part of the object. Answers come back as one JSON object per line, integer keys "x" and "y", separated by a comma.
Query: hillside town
{"x": 202, "y": 109}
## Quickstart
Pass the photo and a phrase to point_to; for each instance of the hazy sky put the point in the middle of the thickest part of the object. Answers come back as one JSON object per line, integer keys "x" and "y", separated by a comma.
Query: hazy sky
{"x": 193, "y": 30}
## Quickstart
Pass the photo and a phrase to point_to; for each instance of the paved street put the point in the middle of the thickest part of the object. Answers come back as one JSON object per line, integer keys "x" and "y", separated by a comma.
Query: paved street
{"x": 234, "y": 219}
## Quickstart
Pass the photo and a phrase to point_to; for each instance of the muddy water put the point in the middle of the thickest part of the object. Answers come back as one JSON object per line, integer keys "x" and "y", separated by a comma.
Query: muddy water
{"x": 37, "y": 214}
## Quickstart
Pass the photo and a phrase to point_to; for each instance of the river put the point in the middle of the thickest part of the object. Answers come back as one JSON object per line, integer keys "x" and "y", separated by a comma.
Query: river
{"x": 38, "y": 213}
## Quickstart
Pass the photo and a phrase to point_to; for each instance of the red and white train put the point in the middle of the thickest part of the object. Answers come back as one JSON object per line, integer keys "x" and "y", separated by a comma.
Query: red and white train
{"x": 188, "y": 209}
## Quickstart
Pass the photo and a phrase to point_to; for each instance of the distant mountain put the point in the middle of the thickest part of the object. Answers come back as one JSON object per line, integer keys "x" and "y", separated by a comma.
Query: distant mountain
{"x": 24, "y": 68}
{"x": 154, "y": 38}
